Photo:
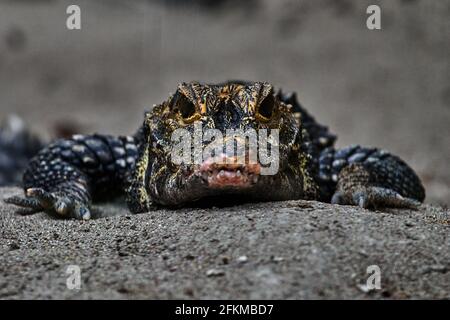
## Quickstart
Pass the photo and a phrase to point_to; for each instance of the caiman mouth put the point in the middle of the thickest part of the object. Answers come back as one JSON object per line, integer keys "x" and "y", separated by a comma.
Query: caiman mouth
{"x": 223, "y": 172}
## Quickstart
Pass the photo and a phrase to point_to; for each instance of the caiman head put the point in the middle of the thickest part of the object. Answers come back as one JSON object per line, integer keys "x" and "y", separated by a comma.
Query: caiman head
{"x": 201, "y": 145}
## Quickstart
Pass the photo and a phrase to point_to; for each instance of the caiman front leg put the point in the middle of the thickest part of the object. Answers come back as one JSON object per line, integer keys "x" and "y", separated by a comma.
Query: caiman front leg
{"x": 369, "y": 178}
{"x": 66, "y": 175}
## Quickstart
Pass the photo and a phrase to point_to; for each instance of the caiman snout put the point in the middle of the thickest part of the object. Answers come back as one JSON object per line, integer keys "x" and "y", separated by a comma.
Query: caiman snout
{"x": 229, "y": 171}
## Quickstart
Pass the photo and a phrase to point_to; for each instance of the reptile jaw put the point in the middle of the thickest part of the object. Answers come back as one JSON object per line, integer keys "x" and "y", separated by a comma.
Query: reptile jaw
{"x": 225, "y": 175}
{"x": 229, "y": 178}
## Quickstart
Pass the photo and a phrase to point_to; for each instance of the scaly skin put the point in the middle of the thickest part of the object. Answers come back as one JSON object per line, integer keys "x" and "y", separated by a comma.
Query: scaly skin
{"x": 65, "y": 177}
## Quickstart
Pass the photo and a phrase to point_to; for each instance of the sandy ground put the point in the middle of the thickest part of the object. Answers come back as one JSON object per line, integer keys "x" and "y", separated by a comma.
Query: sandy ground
{"x": 388, "y": 88}
{"x": 292, "y": 250}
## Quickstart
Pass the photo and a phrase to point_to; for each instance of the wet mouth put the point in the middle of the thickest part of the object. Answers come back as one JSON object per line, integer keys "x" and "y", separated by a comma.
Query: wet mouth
{"x": 222, "y": 175}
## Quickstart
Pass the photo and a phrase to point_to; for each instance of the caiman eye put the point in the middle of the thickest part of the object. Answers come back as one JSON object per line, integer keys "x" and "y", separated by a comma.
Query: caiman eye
{"x": 185, "y": 108}
{"x": 265, "y": 108}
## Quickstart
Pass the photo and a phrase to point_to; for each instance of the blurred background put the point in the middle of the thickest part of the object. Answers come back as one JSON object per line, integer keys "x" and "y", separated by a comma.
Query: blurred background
{"x": 388, "y": 88}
